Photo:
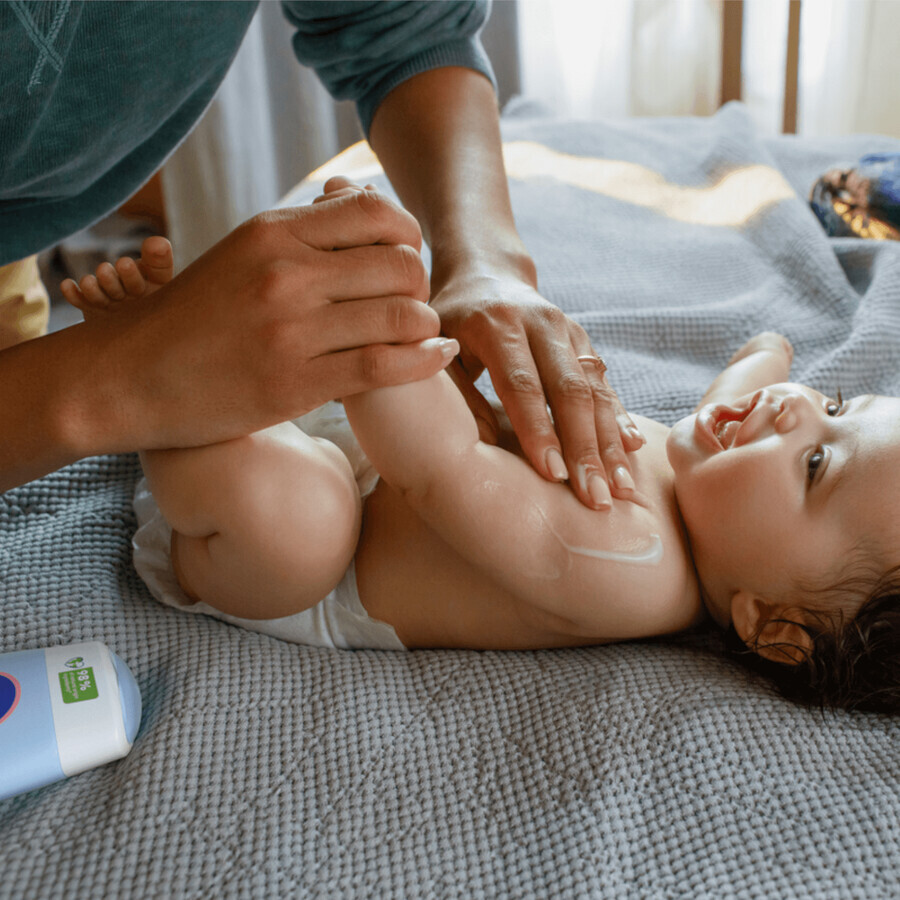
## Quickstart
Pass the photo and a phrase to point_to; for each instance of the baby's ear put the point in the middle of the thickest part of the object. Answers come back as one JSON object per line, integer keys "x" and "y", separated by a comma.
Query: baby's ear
{"x": 774, "y": 631}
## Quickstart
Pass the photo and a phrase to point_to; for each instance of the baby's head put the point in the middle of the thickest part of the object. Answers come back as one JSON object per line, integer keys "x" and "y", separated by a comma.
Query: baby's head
{"x": 791, "y": 503}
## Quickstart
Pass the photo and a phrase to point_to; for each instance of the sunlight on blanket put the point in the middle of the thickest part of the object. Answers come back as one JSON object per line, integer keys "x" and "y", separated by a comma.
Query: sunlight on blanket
{"x": 731, "y": 201}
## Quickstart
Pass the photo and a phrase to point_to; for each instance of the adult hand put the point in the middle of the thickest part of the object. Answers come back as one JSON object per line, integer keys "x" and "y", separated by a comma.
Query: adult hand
{"x": 438, "y": 137}
{"x": 293, "y": 308}
{"x": 531, "y": 349}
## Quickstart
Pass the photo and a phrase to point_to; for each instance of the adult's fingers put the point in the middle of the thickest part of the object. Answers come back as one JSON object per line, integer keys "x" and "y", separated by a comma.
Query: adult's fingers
{"x": 608, "y": 415}
{"x": 381, "y": 365}
{"x": 518, "y": 385}
{"x": 372, "y": 271}
{"x": 571, "y": 394}
{"x": 580, "y": 437}
{"x": 352, "y": 219}
{"x": 377, "y": 320}
{"x": 595, "y": 430}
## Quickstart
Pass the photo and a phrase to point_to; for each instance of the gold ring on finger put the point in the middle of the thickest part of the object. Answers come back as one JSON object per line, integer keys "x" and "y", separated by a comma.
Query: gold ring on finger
{"x": 594, "y": 360}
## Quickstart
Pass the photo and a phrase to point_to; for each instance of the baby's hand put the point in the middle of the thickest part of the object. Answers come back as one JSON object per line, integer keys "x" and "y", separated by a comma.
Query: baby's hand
{"x": 768, "y": 341}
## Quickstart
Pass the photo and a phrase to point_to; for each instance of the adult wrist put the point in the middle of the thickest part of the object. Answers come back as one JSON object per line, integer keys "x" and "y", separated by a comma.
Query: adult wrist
{"x": 46, "y": 402}
{"x": 84, "y": 384}
{"x": 502, "y": 260}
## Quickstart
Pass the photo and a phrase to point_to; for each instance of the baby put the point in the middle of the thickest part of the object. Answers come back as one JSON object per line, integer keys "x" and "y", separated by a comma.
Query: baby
{"x": 772, "y": 509}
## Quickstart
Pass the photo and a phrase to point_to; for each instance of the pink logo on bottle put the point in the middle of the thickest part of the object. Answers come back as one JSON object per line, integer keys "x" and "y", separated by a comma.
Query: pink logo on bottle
{"x": 10, "y": 692}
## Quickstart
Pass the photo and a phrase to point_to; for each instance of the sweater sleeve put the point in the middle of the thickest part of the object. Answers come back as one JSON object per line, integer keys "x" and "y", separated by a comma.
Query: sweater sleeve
{"x": 362, "y": 50}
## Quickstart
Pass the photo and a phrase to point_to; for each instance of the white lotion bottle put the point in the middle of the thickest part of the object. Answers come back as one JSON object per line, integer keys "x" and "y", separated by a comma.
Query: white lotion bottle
{"x": 63, "y": 710}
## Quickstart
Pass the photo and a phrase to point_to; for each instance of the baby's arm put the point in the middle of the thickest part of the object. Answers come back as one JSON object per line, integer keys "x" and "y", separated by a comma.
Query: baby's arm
{"x": 763, "y": 360}
{"x": 527, "y": 534}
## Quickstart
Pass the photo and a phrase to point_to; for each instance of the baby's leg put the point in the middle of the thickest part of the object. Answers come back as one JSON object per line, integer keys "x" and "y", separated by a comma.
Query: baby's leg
{"x": 264, "y": 526}
{"x": 126, "y": 280}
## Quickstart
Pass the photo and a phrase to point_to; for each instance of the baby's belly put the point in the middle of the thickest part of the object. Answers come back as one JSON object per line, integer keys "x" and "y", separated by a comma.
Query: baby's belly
{"x": 411, "y": 578}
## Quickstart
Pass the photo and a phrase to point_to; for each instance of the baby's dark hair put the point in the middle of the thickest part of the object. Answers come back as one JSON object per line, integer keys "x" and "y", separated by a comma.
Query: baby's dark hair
{"x": 853, "y": 662}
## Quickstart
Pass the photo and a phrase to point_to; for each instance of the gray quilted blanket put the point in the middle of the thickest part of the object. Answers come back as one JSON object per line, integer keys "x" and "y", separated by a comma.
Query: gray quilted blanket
{"x": 652, "y": 769}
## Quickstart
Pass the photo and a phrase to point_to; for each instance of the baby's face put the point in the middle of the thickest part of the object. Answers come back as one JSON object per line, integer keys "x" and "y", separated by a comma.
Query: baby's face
{"x": 783, "y": 486}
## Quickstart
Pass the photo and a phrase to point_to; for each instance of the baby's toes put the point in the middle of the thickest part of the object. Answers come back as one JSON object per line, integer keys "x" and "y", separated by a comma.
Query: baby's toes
{"x": 131, "y": 277}
{"x": 93, "y": 293}
{"x": 110, "y": 282}
{"x": 157, "y": 262}
{"x": 72, "y": 294}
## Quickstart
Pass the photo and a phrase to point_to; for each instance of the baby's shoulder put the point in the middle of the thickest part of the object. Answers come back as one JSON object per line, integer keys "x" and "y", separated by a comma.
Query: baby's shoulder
{"x": 630, "y": 570}
{"x": 655, "y": 481}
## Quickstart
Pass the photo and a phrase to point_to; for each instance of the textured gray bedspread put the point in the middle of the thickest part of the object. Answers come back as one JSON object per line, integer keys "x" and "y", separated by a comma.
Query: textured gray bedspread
{"x": 264, "y": 769}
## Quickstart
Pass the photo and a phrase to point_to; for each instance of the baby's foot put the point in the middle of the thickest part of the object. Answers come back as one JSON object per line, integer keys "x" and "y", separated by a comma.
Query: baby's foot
{"x": 126, "y": 280}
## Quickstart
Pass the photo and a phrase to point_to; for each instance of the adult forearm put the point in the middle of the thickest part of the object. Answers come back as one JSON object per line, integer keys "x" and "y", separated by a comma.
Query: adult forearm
{"x": 52, "y": 412}
{"x": 291, "y": 309}
{"x": 438, "y": 138}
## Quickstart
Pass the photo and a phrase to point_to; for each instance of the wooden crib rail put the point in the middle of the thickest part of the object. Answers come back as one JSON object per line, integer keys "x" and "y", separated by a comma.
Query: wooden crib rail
{"x": 732, "y": 48}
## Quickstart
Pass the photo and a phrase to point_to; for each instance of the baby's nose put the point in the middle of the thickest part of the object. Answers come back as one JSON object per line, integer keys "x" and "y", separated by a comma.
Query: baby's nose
{"x": 787, "y": 414}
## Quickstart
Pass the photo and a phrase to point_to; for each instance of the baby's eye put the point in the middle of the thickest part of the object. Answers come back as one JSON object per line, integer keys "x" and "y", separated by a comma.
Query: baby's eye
{"x": 816, "y": 458}
{"x": 833, "y": 408}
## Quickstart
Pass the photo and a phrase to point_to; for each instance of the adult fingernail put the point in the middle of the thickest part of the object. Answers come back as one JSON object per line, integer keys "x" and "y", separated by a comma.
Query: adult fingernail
{"x": 633, "y": 431}
{"x": 556, "y": 465}
{"x": 622, "y": 479}
{"x": 598, "y": 491}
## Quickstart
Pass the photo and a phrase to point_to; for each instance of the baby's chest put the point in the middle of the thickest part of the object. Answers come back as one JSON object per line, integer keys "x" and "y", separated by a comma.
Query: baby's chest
{"x": 411, "y": 578}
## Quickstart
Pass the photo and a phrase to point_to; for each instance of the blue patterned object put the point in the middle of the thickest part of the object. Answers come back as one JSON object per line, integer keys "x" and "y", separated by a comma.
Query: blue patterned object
{"x": 863, "y": 201}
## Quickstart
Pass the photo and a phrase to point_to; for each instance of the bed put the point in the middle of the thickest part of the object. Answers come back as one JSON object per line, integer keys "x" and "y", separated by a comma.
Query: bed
{"x": 650, "y": 769}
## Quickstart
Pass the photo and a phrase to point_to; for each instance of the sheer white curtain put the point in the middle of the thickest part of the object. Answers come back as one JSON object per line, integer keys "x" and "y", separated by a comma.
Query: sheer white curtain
{"x": 272, "y": 122}
{"x": 587, "y": 58}
{"x": 850, "y": 67}
{"x": 607, "y": 58}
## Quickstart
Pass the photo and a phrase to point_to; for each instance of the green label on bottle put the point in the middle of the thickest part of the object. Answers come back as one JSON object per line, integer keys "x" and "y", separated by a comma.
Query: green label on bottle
{"x": 78, "y": 685}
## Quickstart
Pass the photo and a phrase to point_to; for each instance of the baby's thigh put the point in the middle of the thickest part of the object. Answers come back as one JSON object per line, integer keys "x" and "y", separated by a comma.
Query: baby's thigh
{"x": 278, "y": 527}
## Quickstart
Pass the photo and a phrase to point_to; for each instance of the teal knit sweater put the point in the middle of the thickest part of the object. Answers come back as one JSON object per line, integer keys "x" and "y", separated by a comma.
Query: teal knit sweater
{"x": 97, "y": 94}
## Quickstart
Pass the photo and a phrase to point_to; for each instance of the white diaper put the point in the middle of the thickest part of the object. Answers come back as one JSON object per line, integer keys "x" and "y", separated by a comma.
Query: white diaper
{"x": 339, "y": 621}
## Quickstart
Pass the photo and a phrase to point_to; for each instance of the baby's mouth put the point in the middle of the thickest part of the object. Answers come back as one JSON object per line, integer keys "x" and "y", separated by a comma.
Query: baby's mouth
{"x": 725, "y": 431}
{"x": 727, "y": 421}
